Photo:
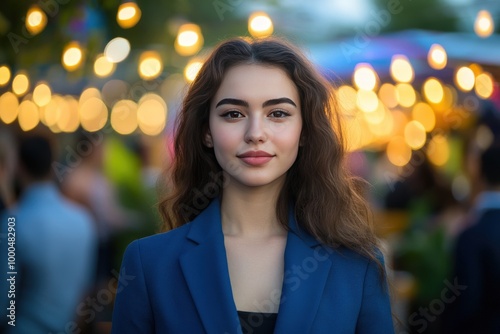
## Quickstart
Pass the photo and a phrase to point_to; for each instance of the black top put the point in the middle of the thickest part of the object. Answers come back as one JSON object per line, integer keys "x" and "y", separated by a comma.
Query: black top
{"x": 257, "y": 323}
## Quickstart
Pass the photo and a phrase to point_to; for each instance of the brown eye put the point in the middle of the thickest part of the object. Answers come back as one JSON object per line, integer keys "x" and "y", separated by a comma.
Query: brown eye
{"x": 232, "y": 114}
{"x": 279, "y": 114}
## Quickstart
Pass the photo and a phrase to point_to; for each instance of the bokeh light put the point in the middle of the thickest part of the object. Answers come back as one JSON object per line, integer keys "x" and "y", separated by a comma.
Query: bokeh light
{"x": 415, "y": 135}
{"x": 388, "y": 96}
{"x": 103, "y": 67}
{"x": 405, "y": 95}
{"x": 124, "y": 117}
{"x": 72, "y": 56}
{"x": 437, "y": 57}
{"x": 438, "y": 150}
{"x": 93, "y": 114}
{"x": 28, "y": 115}
{"x": 8, "y": 107}
{"x": 365, "y": 77}
{"x": 191, "y": 70}
{"x": 117, "y": 49}
{"x": 4, "y": 75}
{"x": 152, "y": 114}
{"x": 433, "y": 90}
{"x": 398, "y": 152}
{"x": 128, "y": 15}
{"x": 464, "y": 79}
{"x": 150, "y": 65}
{"x": 401, "y": 69}
{"x": 189, "y": 39}
{"x": 42, "y": 94}
{"x": 484, "y": 25}
{"x": 260, "y": 25}
{"x": 367, "y": 100}
{"x": 20, "y": 84}
{"x": 36, "y": 20}
{"x": 424, "y": 114}
{"x": 484, "y": 85}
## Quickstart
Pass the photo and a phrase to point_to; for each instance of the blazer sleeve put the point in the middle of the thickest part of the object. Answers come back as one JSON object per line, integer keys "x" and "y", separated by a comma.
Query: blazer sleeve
{"x": 132, "y": 311}
{"x": 375, "y": 315}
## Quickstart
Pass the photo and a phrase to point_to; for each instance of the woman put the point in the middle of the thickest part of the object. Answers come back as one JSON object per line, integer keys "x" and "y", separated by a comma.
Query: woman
{"x": 268, "y": 232}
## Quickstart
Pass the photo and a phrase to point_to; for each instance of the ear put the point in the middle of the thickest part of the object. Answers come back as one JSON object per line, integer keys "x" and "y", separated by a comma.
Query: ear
{"x": 208, "y": 139}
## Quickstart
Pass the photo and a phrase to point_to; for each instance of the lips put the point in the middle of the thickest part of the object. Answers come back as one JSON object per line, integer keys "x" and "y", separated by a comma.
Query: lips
{"x": 256, "y": 158}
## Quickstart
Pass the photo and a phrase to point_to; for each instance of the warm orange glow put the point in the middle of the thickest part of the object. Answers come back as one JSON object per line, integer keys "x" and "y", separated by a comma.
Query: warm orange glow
{"x": 423, "y": 113}
{"x": 28, "y": 115}
{"x": 415, "y": 135}
{"x": 189, "y": 39}
{"x": 4, "y": 75}
{"x": 346, "y": 96}
{"x": 191, "y": 70}
{"x": 367, "y": 100}
{"x": 484, "y": 85}
{"x": 124, "y": 117}
{"x": 8, "y": 107}
{"x": 437, "y": 57}
{"x": 433, "y": 90}
{"x": 464, "y": 79}
{"x": 260, "y": 25}
{"x": 438, "y": 150}
{"x": 398, "y": 152}
{"x": 72, "y": 56}
{"x": 401, "y": 69}
{"x": 128, "y": 15}
{"x": 405, "y": 94}
{"x": 36, "y": 20}
{"x": 150, "y": 65}
{"x": 388, "y": 96}
{"x": 20, "y": 84}
{"x": 365, "y": 77}
{"x": 484, "y": 25}
{"x": 42, "y": 95}
{"x": 103, "y": 67}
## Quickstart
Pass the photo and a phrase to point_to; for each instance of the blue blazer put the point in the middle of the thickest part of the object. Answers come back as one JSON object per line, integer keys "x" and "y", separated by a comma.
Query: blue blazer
{"x": 178, "y": 282}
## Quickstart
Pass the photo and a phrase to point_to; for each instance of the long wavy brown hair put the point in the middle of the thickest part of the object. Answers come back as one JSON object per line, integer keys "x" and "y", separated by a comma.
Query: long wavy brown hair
{"x": 327, "y": 198}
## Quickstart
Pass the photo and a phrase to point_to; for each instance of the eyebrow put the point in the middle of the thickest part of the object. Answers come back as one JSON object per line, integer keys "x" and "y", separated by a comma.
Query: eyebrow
{"x": 267, "y": 103}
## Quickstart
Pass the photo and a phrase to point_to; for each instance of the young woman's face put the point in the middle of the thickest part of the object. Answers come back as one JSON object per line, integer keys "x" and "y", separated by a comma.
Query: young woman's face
{"x": 255, "y": 124}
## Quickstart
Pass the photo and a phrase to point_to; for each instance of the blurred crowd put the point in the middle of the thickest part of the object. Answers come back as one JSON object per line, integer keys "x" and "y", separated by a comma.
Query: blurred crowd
{"x": 71, "y": 226}
{"x": 79, "y": 200}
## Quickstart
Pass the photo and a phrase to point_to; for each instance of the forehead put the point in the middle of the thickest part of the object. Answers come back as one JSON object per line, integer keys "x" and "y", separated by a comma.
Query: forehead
{"x": 256, "y": 83}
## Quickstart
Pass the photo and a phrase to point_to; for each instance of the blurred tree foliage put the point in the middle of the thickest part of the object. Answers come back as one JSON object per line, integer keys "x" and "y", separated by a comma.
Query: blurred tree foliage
{"x": 93, "y": 24}
{"x": 420, "y": 14}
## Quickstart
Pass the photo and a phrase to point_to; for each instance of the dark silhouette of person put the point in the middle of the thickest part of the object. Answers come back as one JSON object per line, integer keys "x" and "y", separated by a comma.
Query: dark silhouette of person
{"x": 477, "y": 258}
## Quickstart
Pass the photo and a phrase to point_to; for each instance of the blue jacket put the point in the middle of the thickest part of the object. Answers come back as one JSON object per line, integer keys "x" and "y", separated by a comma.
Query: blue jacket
{"x": 178, "y": 282}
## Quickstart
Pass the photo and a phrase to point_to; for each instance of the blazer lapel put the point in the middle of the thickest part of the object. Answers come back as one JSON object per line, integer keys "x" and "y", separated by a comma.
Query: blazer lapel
{"x": 307, "y": 265}
{"x": 207, "y": 275}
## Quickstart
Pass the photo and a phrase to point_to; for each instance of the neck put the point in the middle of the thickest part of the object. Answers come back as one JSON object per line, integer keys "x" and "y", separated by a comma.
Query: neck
{"x": 251, "y": 211}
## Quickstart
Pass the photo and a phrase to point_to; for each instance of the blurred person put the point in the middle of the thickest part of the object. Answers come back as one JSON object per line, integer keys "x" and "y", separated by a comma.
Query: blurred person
{"x": 7, "y": 167}
{"x": 87, "y": 185}
{"x": 55, "y": 247}
{"x": 477, "y": 258}
{"x": 268, "y": 232}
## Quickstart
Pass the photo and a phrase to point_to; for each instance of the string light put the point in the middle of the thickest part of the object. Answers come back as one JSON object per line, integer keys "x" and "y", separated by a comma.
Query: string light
{"x": 260, "y": 25}
{"x": 128, "y": 15}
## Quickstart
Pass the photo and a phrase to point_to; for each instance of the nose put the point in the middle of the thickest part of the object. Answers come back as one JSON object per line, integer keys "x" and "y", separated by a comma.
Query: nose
{"x": 256, "y": 131}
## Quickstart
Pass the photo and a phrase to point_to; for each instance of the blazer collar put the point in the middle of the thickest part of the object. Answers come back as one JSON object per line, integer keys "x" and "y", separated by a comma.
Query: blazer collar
{"x": 206, "y": 272}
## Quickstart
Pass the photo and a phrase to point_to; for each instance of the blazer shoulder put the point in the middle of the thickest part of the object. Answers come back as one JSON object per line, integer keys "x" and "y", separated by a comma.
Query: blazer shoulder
{"x": 164, "y": 241}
